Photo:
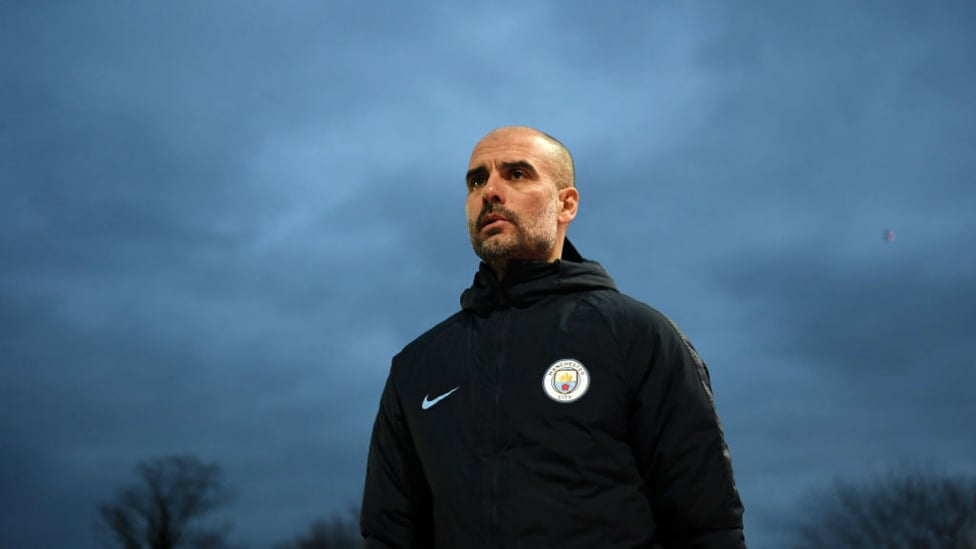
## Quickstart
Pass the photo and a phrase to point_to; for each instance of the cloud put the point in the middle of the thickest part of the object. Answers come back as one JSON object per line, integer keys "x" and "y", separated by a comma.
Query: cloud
{"x": 219, "y": 223}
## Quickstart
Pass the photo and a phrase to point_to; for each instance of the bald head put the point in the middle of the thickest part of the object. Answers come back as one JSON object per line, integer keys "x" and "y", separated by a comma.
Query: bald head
{"x": 521, "y": 196}
{"x": 560, "y": 161}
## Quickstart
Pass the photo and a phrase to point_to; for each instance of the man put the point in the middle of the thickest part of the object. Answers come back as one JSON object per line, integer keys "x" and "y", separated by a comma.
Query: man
{"x": 551, "y": 411}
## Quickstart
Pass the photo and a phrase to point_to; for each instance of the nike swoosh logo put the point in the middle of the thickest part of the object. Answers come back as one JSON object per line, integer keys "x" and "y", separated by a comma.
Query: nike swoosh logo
{"x": 428, "y": 403}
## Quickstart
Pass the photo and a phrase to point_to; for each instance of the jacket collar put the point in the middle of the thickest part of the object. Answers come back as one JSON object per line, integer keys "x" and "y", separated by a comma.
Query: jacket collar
{"x": 529, "y": 281}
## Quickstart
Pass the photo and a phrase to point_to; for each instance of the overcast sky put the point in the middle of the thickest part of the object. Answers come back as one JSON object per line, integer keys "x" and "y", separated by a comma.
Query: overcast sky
{"x": 220, "y": 220}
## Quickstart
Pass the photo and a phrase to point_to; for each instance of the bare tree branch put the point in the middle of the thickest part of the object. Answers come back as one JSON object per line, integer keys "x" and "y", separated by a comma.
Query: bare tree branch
{"x": 920, "y": 509}
{"x": 337, "y": 532}
{"x": 165, "y": 510}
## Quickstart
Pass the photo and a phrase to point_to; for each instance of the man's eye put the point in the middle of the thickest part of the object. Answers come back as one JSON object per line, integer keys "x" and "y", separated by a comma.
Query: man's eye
{"x": 518, "y": 174}
{"x": 476, "y": 182}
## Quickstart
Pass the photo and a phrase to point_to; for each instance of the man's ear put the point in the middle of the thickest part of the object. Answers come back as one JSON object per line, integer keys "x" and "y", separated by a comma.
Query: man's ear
{"x": 568, "y": 203}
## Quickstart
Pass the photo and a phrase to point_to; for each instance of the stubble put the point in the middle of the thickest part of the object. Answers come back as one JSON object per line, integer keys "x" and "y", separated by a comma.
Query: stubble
{"x": 534, "y": 236}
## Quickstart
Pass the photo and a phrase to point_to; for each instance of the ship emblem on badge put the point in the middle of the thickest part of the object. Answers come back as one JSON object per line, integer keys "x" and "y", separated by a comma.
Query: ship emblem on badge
{"x": 566, "y": 380}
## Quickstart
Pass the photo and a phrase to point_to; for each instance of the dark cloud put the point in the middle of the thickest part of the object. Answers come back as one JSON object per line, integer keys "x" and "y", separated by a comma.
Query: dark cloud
{"x": 888, "y": 315}
{"x": 218, "y": 224}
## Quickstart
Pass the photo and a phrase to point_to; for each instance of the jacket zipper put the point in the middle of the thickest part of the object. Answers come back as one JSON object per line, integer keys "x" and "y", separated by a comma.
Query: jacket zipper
{"x": 496, "y": 427}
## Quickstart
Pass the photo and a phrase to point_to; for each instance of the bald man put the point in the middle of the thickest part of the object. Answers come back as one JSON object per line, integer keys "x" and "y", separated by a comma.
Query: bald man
{"x": 552, "y": 410}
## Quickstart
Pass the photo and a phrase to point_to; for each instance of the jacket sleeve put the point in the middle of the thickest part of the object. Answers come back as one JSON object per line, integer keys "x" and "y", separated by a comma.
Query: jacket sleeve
{"x": 396, "y": 511}
{"x": 680, "y": 447}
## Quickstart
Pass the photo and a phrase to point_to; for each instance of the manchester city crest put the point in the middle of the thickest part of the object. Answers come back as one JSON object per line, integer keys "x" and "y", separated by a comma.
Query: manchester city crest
{"x": 566, "y": 380}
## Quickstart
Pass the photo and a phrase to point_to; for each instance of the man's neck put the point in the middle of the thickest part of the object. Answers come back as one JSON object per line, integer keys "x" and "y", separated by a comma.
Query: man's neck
{"x": 498, "y": 267}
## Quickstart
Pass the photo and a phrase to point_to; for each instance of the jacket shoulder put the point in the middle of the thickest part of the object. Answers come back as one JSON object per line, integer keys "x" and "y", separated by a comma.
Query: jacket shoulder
{"x": 626, "y": 311}
{"x": 417, "y": 348}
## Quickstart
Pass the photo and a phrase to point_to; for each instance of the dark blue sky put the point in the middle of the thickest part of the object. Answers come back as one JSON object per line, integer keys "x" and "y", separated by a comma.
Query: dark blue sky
{"x": 220, "y": 220}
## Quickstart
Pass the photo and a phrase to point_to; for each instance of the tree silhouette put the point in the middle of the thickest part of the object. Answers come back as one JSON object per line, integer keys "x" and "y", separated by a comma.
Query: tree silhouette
{"x": 335, "y": 533}
{"x": 166, "y": 508}
{"x": 915, "y": 510}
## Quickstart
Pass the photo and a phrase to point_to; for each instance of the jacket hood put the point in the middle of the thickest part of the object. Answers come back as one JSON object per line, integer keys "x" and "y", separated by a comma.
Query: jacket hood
{"x": 529, "y": 281}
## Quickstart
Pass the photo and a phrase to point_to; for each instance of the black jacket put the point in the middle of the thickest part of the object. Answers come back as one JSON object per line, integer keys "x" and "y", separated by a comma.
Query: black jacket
{"x": 483, "y": 439}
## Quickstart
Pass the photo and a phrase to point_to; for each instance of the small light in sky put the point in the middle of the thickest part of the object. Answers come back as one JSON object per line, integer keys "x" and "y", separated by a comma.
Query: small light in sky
{"x": 889, "y": 235}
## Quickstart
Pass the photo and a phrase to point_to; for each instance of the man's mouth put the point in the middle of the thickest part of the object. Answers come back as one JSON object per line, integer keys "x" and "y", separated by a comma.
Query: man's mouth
{"x": 492, "y": 219}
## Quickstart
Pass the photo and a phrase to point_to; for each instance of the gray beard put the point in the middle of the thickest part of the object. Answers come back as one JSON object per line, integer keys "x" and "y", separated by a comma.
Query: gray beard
{"x": 533, "y": 241}
{"x": 516, "y": 246}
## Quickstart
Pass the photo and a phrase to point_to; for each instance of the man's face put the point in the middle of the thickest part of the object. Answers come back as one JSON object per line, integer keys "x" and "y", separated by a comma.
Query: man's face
{"x": 513, "y": 204}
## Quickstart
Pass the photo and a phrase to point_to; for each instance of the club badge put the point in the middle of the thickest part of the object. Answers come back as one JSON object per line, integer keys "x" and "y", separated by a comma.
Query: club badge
{"x": 566, "y": 380}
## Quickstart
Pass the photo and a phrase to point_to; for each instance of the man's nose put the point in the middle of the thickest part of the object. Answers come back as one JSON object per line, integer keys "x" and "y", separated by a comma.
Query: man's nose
{"x": 493, "y": 191}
